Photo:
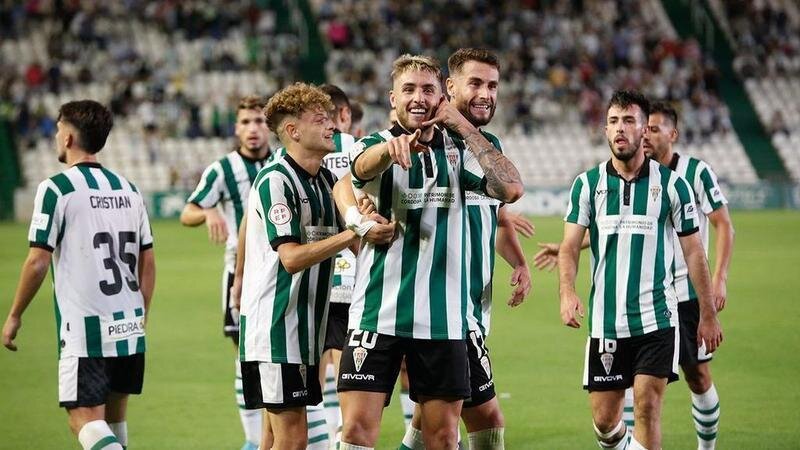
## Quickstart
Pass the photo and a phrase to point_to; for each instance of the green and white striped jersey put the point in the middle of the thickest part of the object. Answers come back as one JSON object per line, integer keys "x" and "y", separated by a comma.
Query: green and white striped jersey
{"x": 344, "y": 269}
{"x": 481, "y": 233}
{"x": 632, "y": 226}
{"x": 283, "y": 315}
{"x": 416, "y": 287}
{"x": 709, "y": 198}
{"x": 227, "y": 182}
{"x": 95, "y": 223}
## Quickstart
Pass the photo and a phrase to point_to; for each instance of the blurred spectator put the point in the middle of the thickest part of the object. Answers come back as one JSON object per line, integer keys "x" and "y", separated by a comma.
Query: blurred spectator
{"x": 555, "y": 54}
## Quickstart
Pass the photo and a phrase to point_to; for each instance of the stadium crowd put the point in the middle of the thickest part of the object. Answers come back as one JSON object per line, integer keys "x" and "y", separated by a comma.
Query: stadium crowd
{"x": 85, "y": 44}
{"x": 767, "y": 39}
{"x": 556, "y": 55}
{"x": 559, "y": 57}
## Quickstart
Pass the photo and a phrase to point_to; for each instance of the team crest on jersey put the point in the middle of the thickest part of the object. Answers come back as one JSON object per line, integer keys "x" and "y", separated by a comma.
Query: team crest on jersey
{"x": 607, "y": 359}
{"x": 452, "y": 158}
{"x": 359, "y": 355}
{"x": 303, "y": 374}
{"x": 487, "y": 367}
{"x": 655, "y": 191}
{"x": 279, "y": 214}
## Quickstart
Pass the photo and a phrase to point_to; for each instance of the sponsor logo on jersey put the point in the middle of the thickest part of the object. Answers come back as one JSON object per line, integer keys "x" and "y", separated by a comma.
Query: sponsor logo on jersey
{"x": 336, "y": 162}
{"x": 437, "y": 197}
{"x": 627, "y": 224}
{"x": 358, "y": 376}
{"x": 690, "y": 212}
{"x": 318, "y": 233}
{"x": 121, "y": 329}
{"x": 607, "y": 378}
{"x": 300, "y": 394}
{"x": 40, "y": 220}
{"x": 359, "y": 355}
{"x": 279, "y": 214}
{"x": 607, "y": 359}
{"x": 716, "y": 195}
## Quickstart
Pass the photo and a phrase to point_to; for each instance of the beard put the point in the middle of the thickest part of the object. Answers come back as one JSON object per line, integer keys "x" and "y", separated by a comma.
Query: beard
{"x": 625, "y": 154}
{"x": 62, "y": 158}
{"x": 464, "y": 109}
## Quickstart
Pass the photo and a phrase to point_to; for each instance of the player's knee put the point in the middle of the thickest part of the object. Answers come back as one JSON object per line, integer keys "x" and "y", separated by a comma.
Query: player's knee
{"x": 444, "y": 437}
{"x": 699, "y": 381}
{"x": 482, "y": 417}
{"x": 646, "y": 410}
{"x": 359, "y": 432}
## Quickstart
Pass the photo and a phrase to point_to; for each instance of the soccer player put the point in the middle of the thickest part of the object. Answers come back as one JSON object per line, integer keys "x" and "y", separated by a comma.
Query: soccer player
{"x": 291, "y": 240}
{"x": 409, "y": 294}
{"x": 338, "y": 162}
{"x": 660, "y": 136}
{"x": 325, "y": 419}
{"x": 472, "y": 86}
{"x": 219, "y": 201}
{"x": 91, "y": 226}
{"x": 632, "y": 207}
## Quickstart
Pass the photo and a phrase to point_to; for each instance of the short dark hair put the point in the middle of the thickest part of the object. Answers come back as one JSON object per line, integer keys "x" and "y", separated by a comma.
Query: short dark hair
{"x": 667, "y": 110}
{"x": 463, "y": 55}
{"x": 92, "y": 120}
{"x": 624, "y": 99}
{"x": 338, "y": 97}
{"x": 357, "y": 112}
{"x": 252, "y": 102}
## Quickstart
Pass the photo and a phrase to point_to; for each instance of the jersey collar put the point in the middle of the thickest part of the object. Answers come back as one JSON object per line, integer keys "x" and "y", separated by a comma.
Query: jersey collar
{"x": 297, "y": 167}
{"x": 96, "y": 165}
{"x": 253, "y": 160}
{"x": 673, "y": 163}
{"x": 644, "y": 170}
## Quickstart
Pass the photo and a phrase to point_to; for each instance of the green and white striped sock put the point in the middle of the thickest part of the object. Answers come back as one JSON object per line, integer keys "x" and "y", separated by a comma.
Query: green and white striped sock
{"x": 96, "y": 435}
{"x": 408, "y": 408}
{"x": 627, "y": 410}
{"x": 705, "y": 413}
{"x": 412, "y": 440}
{"x": 120, "y": 430}
{"x": 317, "y": 428}
{"x": 333, "y": 415}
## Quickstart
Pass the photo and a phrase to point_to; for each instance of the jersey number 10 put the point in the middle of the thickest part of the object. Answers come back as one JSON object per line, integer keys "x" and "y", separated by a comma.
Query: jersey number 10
{"x": 125, "y": 237}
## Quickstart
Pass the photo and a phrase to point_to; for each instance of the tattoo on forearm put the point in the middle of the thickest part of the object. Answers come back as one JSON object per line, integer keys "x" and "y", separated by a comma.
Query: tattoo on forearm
{"x": 499, "y": 171}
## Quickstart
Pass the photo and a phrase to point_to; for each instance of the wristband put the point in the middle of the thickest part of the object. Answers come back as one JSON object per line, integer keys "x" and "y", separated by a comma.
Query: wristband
{"x": 355, "y": 221}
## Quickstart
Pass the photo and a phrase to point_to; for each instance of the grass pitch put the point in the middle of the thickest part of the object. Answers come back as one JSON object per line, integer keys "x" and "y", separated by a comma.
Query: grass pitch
{"x": 188, "y": 399}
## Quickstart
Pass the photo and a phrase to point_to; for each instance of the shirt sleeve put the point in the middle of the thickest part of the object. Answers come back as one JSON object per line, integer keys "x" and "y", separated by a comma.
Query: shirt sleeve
{"x": 357, "y": 150}
{"x": 578, "y": 206}
{"x": 47, "y": 217}
{"x": 472, "y": 176}
{"x": 281, "y": 209}
{"x": 683, "y": 209}
{"x": 209, "y": 191}
{"x": 709, "y": 194}
{"x": 145, "y": 231}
